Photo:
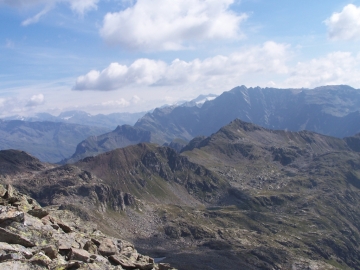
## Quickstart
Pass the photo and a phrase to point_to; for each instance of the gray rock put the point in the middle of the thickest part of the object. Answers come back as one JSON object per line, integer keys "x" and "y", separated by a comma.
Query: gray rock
{"x": 14, "y": 238}
{"x": 121, "y": 260}
{"x": 9, "y": 213}
{"x": 107, "y": 247}
{"x": 2, "y": 191}
{"x": 79, "y": 255}
{"x": 50, "y": 251}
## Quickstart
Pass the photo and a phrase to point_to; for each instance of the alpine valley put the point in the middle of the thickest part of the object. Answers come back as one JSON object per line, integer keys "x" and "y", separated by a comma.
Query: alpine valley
{"x": 252, "y": 179}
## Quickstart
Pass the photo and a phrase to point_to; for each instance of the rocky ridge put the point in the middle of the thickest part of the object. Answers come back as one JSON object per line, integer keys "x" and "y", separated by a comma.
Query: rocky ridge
{"x": 32, "y": 237}
{"x": 274, "y": 199}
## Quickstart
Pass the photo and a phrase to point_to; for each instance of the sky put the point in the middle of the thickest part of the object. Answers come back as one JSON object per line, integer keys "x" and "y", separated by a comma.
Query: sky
{"x": 106, "y": 56}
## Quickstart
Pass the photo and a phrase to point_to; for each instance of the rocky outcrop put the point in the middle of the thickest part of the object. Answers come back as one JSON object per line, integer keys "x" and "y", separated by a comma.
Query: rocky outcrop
{"x": 35, "y": 238}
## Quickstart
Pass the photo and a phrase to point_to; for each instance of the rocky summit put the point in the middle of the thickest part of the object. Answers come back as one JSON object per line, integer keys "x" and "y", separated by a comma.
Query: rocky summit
{"x": 32, "y": 237}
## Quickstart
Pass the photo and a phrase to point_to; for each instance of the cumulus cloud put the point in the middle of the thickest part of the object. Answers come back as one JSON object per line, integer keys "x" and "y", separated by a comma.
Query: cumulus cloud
{"x": 333, "y": 69}
{"x": 171, "y": 25}
{"x": 344, "y": 25}
{"x": 271, "y": 57}
{"x": 78, "y": 6}
{"x": 35, "y": 100}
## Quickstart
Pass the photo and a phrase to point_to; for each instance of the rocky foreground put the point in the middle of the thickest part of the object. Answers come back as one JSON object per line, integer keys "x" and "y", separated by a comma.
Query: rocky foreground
{"x": 32, "y": 237}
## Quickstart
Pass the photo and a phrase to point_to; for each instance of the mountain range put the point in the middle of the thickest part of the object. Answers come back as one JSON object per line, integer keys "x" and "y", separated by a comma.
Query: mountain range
{"x": 109, "y": 121}
{"x": 48, "y": 141}
{"x": 246, "y": 195}
{"x": 329, "y": 110}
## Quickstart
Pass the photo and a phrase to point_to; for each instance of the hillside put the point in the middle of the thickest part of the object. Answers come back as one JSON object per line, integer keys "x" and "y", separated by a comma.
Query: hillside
{"x": 246, "y": 196}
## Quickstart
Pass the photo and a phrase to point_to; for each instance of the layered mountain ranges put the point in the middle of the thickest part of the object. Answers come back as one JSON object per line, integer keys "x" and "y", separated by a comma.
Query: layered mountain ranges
{"x": 245, "y": 196}
{"x": 329, "y": 110}
{"x": 109, "y": 121}
{"x": 48, "y": 141}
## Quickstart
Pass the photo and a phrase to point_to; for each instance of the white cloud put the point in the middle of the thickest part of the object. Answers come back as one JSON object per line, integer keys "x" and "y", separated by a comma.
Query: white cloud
{"x": 333, "y": 69}
{"x": 78, "y": 6}
{"x": 115, "y": 76}
{"x": 83, "y": 6}
{"x": 2, "y": 101}
{"x": 35, "y": 100}
{"x": 171, "y": 25}
{"x": 116, "y": 103}
{"x": 345, "y": 25}
{"x": 271, "y": 57}
{"x": 37, "y": 17}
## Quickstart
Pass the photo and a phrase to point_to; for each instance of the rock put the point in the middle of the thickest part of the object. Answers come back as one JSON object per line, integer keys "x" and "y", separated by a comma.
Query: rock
{"x": 2, "y": 191}
{"x": 73, "y": 265}
{"x": 90, "y": 247}
{"x": 15, "y": 265}
{"x": 107, "y": 247}
{"x": 164, "y": 266}
{"x": 65, "y": 244}
{"x": 79, "y": 255}
{"x": 6, "y": 248}
{"x": 30, "y": 242}
{"x": 121, "y": 260}
{"x": 144, "y": 266}
{"x": 39, "y": 213}
{"x": 11, "y": 256}
{"x": 99, "y": 258}
{"x": 40, "y": 259}
{"x": 66, "y": 228}
{"x": 14, "y": 238}
{"x": 50, "y": 251}
{"x": 10, "y": 191}
{"x": 9, "y": 213}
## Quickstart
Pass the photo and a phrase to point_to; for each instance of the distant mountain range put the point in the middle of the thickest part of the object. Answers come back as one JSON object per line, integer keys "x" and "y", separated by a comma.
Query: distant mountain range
{"x": 329, "y": 110}
{"x": 109, "y": 121}
{"x": 48, "y": 141}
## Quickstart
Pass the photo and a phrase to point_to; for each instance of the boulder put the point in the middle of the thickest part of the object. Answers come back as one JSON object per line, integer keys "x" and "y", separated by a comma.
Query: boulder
{"x": 14, "y": 238}
{"x": 2, "y": 191}
{"x": 79, "y": 255}
{"x": 90, "y": 247}
{"x": 38, "y": 212}
{"x": 51, "y": 251}
{"x": 9, "y": 213}
{"x": 107, "y": 247}
{"x": 122, "y": 260}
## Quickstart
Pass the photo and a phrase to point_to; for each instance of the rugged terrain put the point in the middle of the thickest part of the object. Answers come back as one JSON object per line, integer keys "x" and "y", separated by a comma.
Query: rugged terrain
{"x": 32, "y": 237}
{"x": 329, "y": 110}
{"x": 245, "y": 196}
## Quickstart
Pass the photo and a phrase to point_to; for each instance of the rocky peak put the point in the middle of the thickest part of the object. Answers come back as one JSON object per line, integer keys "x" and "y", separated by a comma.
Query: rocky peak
{"x": 33, "y": 237}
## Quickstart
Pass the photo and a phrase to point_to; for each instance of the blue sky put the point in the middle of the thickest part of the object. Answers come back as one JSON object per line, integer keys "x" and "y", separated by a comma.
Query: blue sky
{"x": 105, "y": 56}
